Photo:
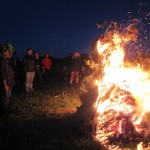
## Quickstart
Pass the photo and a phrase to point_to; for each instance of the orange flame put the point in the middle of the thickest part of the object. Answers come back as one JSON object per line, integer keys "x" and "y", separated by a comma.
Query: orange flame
{"x": 116, "y": 75}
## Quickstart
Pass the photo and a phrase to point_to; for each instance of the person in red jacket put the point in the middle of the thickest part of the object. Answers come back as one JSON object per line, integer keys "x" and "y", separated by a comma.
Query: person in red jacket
{"x": 47, "y": 64}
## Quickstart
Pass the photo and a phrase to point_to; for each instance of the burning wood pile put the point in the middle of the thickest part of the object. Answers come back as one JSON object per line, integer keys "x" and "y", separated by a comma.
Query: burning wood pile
{"x": 119, "y": 120}
{"x": 123, "y": 102}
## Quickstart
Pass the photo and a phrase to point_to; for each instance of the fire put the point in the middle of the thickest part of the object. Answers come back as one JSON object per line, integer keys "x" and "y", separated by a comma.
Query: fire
{"x": 139, "y": 146}
{"x": 124, "y": 95}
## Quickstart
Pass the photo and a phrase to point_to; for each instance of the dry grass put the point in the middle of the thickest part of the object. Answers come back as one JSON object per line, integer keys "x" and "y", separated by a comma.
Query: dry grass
{"x": 44, "y": 120}
{"x": 44, "y": 103}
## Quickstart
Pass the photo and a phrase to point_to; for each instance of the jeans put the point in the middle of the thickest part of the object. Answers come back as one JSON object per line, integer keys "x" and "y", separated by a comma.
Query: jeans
{"x": 29, "y": 81}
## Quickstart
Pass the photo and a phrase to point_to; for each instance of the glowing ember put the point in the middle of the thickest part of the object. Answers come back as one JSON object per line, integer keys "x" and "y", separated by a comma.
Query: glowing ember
{"x": 124, "y": 93}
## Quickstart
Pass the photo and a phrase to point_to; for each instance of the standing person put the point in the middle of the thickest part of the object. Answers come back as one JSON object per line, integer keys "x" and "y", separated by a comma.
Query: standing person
{"x": 38, "y": 81}
{"x": 47, "y": 64}
{"x": 6, "y": 79}
{"x": 67, "y": 65}
{"x": 75, "y": 68}
{"x": 29, "y": 66}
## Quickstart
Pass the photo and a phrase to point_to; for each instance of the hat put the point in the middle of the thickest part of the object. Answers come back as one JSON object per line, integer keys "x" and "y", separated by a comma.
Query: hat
{"x": 6, "y": 47}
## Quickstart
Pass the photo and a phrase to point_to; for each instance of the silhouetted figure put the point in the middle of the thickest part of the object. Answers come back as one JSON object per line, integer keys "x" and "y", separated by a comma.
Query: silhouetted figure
{"x": 6, "y": 80}
{"x": 38, "y": 79}
{"x": 29, "y": 66}
{"x": 47, "y": 64}
{"x": 75, "y": 68}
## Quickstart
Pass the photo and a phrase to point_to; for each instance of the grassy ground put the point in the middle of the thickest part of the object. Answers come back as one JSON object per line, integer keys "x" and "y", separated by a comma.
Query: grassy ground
{"x": 47, "y": 119}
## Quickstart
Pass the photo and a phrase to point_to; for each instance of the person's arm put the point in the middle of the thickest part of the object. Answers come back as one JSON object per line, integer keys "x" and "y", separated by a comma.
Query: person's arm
{"x": 50, "y": 63}
{"x": 5, "y": 85}
{"x": 24, "y": 62}
{"x": 43, "y": 65}
{"x": 2, "y": 74}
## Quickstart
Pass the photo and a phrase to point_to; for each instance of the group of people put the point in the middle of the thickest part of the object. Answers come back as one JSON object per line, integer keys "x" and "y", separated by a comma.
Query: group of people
{"x": 37, "y": 69}
{"x": 37, "y": 72}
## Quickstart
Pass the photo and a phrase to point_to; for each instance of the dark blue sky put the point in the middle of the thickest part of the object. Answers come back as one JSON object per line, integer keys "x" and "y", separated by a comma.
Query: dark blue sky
{"x": 57, "y": 26}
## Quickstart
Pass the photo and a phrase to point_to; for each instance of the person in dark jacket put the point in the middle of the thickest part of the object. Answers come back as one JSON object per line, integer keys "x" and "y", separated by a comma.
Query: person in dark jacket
{"x": 38, "y": 80}
{"x": 29, "y": 67}
{"x": 6, "y": 80}
{"x": 75, "y": 68}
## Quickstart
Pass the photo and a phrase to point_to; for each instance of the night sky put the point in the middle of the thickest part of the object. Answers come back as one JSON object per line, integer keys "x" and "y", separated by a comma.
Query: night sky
{"x": 58, "y": 26}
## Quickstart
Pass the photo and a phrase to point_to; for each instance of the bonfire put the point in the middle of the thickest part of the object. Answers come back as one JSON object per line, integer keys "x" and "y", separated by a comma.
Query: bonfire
{"x": 123, "y": 102}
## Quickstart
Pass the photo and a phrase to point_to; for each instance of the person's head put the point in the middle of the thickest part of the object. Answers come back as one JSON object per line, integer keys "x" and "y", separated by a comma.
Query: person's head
{"x": 6, "y": 54}
{"x": 46, "y": 54}
{"x": 36, "y": 54}
{"x": 76, "y": 54}
{"x": 29, "y": 51}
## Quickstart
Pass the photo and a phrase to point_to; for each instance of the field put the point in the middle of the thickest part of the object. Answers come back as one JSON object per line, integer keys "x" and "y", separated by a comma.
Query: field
{"x": 53, "y": 118}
